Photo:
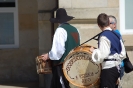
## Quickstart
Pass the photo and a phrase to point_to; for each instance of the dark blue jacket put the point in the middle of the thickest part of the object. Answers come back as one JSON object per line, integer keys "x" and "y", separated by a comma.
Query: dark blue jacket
{"x": 114, "y": 40}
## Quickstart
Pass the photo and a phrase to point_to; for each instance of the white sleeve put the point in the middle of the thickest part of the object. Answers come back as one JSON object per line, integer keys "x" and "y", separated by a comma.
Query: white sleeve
{"x": 122, "y": 55}
{"x": 58, "y": 46}
{"x": 103, "y": 51}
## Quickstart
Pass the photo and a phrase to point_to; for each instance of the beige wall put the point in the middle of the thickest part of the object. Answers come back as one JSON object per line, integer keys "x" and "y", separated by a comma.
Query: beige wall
{"x": 45, "y": 34}
{"x": 45, "y": 27}
{"x": 86, "y": 11}
{"x": 90, "y": 9}
{"x": 18, "y": 65}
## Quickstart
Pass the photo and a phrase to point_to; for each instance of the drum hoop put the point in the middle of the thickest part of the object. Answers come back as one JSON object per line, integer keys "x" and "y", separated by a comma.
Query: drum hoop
{"x": 82, "y": 50}
{"x": 71, "y": 53}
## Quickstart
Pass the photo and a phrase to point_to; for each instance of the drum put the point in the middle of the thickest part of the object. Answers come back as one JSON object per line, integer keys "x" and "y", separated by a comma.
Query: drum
{"x": 43, "y": 67}
{"x": 80, "y": 70}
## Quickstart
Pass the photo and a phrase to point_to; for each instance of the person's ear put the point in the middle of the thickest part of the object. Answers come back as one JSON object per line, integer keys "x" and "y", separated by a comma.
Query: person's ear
{"x": 115, "y": 25}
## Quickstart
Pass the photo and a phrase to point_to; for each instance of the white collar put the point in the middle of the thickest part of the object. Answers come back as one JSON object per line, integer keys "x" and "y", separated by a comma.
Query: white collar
{"x": 108, "y": 28}
{"x": 61, "y": 24}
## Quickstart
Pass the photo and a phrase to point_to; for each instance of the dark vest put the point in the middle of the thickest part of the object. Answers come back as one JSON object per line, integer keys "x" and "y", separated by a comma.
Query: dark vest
{"x": 114, "y": 40}
{"x": 73, "y": 40}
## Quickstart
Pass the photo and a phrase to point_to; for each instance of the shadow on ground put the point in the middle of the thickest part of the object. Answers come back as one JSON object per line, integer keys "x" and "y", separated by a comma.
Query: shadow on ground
{"x": 20, "y": 85}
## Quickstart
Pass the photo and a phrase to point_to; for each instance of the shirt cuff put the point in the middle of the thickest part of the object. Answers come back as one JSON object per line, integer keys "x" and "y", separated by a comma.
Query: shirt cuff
{"x": 96, "y": 56}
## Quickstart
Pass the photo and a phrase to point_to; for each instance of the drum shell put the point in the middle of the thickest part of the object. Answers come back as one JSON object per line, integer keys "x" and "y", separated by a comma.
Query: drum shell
{"x": 43, "y": 67}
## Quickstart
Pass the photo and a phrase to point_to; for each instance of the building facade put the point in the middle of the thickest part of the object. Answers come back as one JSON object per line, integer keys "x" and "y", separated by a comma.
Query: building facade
{"x": 25, "y": 32}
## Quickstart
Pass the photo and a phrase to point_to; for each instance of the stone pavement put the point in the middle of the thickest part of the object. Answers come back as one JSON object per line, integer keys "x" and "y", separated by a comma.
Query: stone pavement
{"x": 19, "y": 85}
{"x": 127, "y": 82}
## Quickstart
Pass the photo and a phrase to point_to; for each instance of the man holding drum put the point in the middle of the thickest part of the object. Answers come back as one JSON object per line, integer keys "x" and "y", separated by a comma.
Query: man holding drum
{"x": 66, "y": 38}
{"x": 110, "y": 53}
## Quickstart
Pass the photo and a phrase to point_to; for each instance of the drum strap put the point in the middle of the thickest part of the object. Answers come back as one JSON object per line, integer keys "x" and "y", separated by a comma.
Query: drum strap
{"x": 97, "y": 36}
{"x": 110, "y": 60}
{"x": 91, "y": 39}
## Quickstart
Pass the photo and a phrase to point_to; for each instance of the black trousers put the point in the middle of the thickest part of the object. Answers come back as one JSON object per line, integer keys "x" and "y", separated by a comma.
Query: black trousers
{"x": 57, "y": 75}
{"x": 109, "y": 77}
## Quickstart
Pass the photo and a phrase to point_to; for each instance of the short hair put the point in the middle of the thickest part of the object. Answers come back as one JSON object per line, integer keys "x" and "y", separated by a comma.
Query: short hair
{"x": 103, "y": 20}
{"x": 113, "y": 17}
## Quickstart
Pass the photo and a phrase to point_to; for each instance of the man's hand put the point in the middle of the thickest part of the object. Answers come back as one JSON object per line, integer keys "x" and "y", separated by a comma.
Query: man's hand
{"x": 91, "y": 49}
{"x": 45, "y": 56}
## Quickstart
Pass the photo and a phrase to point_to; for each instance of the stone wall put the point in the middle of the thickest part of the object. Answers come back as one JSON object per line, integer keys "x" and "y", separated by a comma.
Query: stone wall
{"x": 18, "y": 64}
{"x": 45, "y": 8}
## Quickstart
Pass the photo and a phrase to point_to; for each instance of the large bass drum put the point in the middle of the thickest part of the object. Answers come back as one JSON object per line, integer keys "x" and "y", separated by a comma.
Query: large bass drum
{"x": 80, "y": 70}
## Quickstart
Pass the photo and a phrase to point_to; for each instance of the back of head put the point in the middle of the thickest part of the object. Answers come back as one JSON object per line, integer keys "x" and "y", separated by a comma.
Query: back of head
{"x": 103, "y": 20}
{"x": 113, "y": 22}
{"x": 113, "y": 18}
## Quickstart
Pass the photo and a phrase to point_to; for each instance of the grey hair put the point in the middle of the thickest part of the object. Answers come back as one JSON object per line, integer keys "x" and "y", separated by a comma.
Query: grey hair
{"x": 113, "y": 17}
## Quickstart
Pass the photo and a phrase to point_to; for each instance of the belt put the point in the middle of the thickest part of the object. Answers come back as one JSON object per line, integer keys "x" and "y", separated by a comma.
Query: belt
{"x": 110, "y": 60}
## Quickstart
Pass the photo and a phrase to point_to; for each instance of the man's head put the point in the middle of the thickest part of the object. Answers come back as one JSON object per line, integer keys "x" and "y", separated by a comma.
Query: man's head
{"x": 103, "y": 21}
{"x": 113, "y": 22}
{"x": 61, "y": 16}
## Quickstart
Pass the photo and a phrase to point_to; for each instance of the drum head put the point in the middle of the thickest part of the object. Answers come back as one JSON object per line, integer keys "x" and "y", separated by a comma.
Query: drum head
{"x": 79, "y": 69}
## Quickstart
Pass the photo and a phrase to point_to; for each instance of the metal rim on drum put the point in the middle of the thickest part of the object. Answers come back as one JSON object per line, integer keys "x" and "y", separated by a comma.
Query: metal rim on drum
{"x": 79, "y": 69}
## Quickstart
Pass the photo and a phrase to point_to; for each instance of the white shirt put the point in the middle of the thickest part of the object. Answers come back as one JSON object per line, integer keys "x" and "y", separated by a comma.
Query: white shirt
{"x": 58, "y": 46}
{"x": 103, "y": 52}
